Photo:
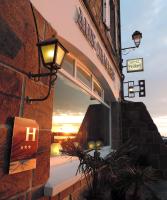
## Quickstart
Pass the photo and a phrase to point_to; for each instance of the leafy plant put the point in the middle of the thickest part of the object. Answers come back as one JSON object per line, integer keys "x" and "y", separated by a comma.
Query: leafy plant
{"x": 119, "y": 176}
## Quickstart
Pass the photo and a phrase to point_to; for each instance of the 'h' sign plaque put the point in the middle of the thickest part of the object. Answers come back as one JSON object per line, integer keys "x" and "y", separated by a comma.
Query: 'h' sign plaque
{"x": 24, "y": 145}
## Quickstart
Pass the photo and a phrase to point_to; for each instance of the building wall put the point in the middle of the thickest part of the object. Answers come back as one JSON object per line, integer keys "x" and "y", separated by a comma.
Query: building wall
{"x": 108, "y": 35}
{"x": 70, "y": 34}
{"x": 19, "y": 56}
{"x": 138, "y": 125}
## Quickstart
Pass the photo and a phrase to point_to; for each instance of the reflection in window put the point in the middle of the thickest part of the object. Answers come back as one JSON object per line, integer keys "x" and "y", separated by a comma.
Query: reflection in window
{"x": 68, "y": 65}
{"x": 97, "y": 89}
{"x": 84, "y": 76}
{"x": 77, "y": 116}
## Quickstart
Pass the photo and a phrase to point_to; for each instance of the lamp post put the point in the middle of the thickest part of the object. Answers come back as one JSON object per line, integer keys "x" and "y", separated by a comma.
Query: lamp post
{"x": 136, "y": 37}
{"x": 52, "y": 54}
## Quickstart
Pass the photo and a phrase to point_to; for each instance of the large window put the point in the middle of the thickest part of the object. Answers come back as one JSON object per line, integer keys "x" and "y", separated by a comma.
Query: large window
{"x": 84, "y": 76}
{"x": 68, "y": 65}
{"x": 78, "y": 116}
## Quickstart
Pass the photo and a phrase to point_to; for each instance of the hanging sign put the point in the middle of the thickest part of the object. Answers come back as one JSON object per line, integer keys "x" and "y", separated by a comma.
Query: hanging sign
{"x": 24, "y": 145}
{"x": 135, "y": 65}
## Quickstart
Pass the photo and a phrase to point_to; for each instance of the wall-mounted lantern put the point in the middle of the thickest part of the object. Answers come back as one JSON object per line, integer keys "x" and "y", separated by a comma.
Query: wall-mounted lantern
{"x": 52, "y": 54}
{"x": 136, "y": 37}
{"x": 132, "y": 89}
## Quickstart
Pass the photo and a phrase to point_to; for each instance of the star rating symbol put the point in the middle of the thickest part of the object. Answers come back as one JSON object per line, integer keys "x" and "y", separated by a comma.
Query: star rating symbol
{"x": 25, "y": 147}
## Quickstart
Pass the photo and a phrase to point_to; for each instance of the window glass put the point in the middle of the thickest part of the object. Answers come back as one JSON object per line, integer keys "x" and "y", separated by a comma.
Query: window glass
{"x": 77, "y": 116}
{"x": 68, "y": 65}
{"x": 106, "y": 12}
{"x": 97, "y": 89}
{"x": 84, "y": 76}
{"x": 113, "y": 23}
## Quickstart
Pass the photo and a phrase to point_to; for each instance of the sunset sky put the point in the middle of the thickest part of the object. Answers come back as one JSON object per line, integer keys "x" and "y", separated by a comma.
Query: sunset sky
{"x": 150, "y": 18}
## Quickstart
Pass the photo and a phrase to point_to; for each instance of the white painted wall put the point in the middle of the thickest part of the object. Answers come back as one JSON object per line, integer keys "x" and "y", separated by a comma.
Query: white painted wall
{"x": 61, "y": 15}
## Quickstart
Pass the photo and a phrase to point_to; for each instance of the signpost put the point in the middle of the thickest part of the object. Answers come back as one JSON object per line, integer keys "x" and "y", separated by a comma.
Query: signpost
{"x": 134, "y": 65}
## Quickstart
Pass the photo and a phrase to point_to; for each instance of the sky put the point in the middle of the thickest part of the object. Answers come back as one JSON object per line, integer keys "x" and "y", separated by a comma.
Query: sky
{"x": 150, "y": 18}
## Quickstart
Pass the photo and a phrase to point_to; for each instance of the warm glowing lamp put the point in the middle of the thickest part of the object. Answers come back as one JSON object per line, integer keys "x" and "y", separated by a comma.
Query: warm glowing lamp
{"x": 52, "y": 52}
{"x": 131, "y": 89}
{"x": 91, "y": 145}
{"x": 98, "y": 144}
{"x": 56, "y": 149}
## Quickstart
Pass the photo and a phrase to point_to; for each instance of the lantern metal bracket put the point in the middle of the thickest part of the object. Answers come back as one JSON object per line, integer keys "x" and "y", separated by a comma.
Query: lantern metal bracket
{"x": 52, "y": 78}
{"x": 134, "y": 47}
{"x": 52, "y": 54}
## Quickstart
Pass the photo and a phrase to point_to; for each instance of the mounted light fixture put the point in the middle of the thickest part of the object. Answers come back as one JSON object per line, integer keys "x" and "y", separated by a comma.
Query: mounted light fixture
{"x": 132, "y": 90}
{"x": 94, "y": 145}
{"x": 136, "y": 37}
{"x": 52, "y": 54}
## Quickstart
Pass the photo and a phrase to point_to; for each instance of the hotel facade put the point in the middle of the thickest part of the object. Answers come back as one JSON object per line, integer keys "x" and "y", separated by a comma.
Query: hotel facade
{"x": 84, "y": 103}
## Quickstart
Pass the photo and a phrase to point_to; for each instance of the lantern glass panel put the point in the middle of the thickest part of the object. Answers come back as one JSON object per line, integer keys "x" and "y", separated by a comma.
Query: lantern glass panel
{"x": 137, "y": 41}
{"x": 48, "y": 53}
{"x": 60, "y": 55}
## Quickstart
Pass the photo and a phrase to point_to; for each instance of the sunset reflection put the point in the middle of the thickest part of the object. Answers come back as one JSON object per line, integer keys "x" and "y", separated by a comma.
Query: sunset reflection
{"x": 66, "y": 123}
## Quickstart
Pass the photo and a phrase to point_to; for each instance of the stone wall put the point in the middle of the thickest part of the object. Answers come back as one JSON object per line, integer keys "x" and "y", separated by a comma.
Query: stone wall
{"x": 18, "y": 57}
{"x": 138, "y": 124}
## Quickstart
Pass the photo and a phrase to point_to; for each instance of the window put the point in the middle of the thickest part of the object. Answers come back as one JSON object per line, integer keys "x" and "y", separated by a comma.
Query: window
{"x": 97, "y": 89}
{"x": 77, "y": 116}
{"x": 68, "y": 65}
{"x": 84, "y": 76}
{"x": 106, "y": 13}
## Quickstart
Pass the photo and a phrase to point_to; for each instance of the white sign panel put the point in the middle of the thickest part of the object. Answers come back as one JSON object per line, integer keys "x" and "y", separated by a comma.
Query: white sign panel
{"x": 135, "y": 65}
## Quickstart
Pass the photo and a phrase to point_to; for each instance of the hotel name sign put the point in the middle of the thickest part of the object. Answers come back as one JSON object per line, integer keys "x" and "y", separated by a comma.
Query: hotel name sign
{"x": 135, "y": 65}
{"x": 91, "y": 38}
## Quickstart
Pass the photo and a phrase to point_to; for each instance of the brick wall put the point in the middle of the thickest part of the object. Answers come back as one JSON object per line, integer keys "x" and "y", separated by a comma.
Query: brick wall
{"x": 138, "y": 124}
{"x": 19, "y": 56}
{"x": 108, "y": 36}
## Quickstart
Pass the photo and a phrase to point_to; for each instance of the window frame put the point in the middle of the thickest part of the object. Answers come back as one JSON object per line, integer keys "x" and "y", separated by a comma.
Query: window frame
{"x": 86, "y": 71}
{"x": 78, "y": 82}
{"x": 106, "y": 15}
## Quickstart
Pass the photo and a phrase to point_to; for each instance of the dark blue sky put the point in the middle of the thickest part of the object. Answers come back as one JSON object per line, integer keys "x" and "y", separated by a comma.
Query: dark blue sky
{"x": 150, "y": 18}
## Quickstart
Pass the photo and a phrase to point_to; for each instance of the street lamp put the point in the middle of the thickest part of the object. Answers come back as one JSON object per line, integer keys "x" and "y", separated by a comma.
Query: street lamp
{"x": 136, "y": 37}
{"x": 52, "y": 54}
